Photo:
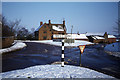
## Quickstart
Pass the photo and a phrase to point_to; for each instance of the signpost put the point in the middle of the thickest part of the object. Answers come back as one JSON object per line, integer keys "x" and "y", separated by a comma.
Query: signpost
{"x": 81, "y": 47}
{"x": 62, "y": 57}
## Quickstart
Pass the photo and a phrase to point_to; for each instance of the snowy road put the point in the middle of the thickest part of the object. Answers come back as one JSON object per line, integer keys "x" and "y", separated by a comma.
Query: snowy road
{"x": 94, "y": 58}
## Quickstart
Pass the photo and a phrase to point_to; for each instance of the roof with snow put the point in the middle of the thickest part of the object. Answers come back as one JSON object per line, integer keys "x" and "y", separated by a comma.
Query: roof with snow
{"x": 39, "y": 27}
{"x": 100, "y": 34}
{"x": 57, "y": 27}
{"x": 97, "y": 37}
{"x": 111, "y": 36}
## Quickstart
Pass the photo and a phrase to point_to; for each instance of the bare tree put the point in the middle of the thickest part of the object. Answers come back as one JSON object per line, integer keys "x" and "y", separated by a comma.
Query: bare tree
{"x": 15, "y": 26}
{"x": 31, "y": 34}
{"x": 10, "y": 28}
{"x": 117, "y": 28}
{"x": 23, "y": 33}
{"x": 5, "y": 28}
{"x": 32, "y": 30}
{"x": 0, "y": 18}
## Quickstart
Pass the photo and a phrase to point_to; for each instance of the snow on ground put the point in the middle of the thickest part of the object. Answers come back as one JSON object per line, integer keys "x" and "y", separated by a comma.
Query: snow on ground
{"x": 16, "y": 46}
{"x": 54, "y": 71}
{"x": 113, "y": 49}
{"x": 51, "y": 42}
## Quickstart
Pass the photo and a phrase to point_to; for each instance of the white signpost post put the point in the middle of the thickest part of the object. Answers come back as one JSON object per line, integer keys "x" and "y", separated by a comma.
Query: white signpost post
{"x": 65, "y": 41}
{"x": 81, "y": 47}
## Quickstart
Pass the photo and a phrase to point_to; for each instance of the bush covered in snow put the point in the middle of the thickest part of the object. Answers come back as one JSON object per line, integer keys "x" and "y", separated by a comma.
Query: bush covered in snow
{"x": 114, "y": 47}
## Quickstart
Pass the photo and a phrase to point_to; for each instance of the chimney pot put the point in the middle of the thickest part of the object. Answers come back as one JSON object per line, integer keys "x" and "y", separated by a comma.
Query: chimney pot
{"x": 41, "y": 23}
{"x": 49, "y": 21}
{"x": 63, "y": 22}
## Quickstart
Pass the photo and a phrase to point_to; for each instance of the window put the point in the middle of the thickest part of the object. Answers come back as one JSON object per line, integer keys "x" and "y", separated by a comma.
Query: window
{"x": 45, "y": 37}
{"x": 44, "y": 26}
{"x": 45, "y": 32}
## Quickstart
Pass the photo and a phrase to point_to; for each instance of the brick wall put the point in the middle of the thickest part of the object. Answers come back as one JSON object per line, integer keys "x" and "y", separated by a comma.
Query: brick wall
{"x": 111, "y": 40}
{"x": 99, "y": 41}
{"x": 7, "y": 41}
{"x": 44, "y": 33}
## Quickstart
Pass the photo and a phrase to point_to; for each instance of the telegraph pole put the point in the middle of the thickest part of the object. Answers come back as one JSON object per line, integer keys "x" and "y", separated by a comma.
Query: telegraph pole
{"x": 71, "y": 31}
{"x": 71, "y": 28}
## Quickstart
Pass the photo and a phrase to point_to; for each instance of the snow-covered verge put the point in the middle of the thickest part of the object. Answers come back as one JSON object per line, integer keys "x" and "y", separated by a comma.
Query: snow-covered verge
{"x": 16, "y": 46}
{"x": 113, "y": 49}
{"x": 54, "y": 71}
{"x": 51, "y": 42}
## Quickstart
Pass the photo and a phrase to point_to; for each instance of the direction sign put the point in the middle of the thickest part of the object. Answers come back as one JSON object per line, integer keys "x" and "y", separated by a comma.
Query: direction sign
{"x": 82, "y": 47}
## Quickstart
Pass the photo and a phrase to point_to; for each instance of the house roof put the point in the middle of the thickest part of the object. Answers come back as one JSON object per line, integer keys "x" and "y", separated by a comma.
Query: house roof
{"x": 89, "y": 34}
{"x": 39, "y": 27}
{"x": 97, "y": 37}
{"x": 57, "y": 28}
{"x": 111, "y": 36}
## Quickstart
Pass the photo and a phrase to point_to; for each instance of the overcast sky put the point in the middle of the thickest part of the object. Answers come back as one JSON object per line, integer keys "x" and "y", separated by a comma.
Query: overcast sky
{"x": 84, "y": 16}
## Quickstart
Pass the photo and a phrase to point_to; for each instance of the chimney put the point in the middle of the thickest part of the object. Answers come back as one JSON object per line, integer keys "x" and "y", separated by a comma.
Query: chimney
{"x": 63, "y": 23}
{"x": 41, "y": 23}
{"x": 49, "y": 22}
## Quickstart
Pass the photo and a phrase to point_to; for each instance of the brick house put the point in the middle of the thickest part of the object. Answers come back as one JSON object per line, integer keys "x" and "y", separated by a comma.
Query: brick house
{"x": 96, "y": 39}
{"x": 101, "y": 38}
{"x": 47, "y": 30}
{"x": 109, "y": 38}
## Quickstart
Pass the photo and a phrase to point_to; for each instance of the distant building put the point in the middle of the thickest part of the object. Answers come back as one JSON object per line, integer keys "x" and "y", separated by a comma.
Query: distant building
{"x": 111, "y": 39}
{"x": 77, "y": 36}
{"x": 71, "y": 36}
{"x": 101, "y": 38}
{"x": 57, "y": 32}
{"x": 47, "y": 30}
{"x": 106, "y": 37}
